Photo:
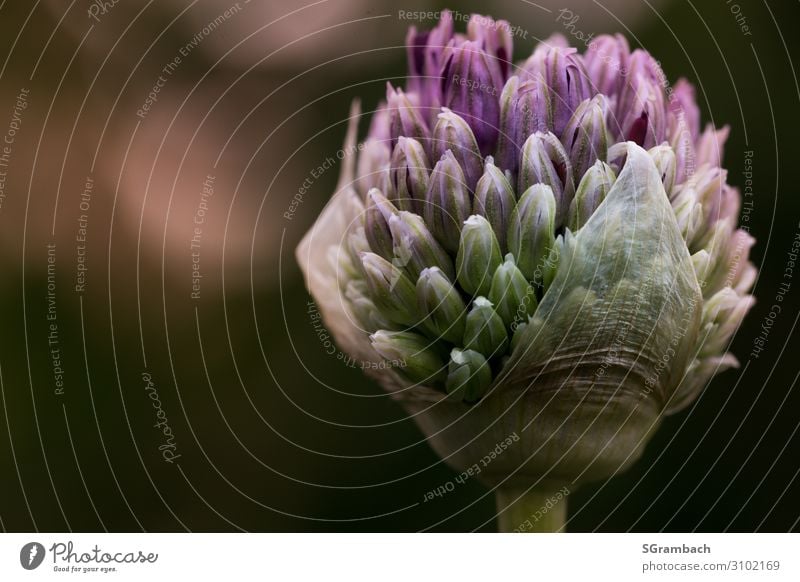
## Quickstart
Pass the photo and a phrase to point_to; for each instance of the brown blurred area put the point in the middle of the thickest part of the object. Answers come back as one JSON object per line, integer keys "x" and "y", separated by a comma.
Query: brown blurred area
{"x": 158, "y": 152}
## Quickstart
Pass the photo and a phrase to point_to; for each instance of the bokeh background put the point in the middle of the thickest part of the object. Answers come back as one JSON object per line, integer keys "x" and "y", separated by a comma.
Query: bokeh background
{"x": 270, "y": 432}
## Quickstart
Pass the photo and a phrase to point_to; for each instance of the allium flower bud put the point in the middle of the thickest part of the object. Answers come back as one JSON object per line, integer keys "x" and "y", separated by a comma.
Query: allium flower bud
{"x": 425, "y": 50}
{"x": 544, "y": 161}
{"x": 440, "y": 306}
{"x": 468, "y": 375}
{"x": 414, "y": 245}
{"x": 495, "y": 39}
{"x": 565, "y": 75}
{"x": 683, "y": 129}
{"x": 511, "y": 294}
{"x": 531, "y": 232}
{"x": 454, "y": 134}
{"x": 494, "y": 200}
{"x": 585, "y": 138}
{"x": 478, "y": 256}
{"x": 418, "y": 359}
{"x": 409, "y": 174}
{"x": 363, "y": 309}
{"x": 471, "y": 84}
{"x": 592, "y": 190}
{"x": 485, "y": 331}
{"x": 392, "y": 292}
{"x": 641, "y": 107}
{"x": 710, "y": 147}
{"x": 666, "y": 164}
{"x": 447, "y": 202}
{"x": 607, "y": 63}
{"x": 524, "y": 109}
{"x": 405, "y": 118}
{"x": 624, "y": 276}
{"x": 376, "y": 223}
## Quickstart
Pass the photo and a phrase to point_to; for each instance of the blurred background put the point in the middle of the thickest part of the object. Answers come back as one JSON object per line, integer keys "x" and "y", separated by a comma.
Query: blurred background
{"x": 159, "y": 367}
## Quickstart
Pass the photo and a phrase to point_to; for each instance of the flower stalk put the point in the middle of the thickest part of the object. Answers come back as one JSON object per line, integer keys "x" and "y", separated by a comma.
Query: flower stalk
{"x": 531, "y": 509}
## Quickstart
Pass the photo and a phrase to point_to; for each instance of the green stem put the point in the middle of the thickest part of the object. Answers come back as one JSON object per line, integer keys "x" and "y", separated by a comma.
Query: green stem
{"x": 532, "y": 510}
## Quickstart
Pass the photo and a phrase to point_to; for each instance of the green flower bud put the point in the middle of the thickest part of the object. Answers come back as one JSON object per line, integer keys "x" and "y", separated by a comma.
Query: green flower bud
{"x": 440, "y": 307}
{"x": 531, "y": 232}
{"x": 447, "y": 203}
{"x": 478, "y": 256}
{"x": 409, "y": 174}
{"x": 392, "y": 292}
{"x": 544, "y": 161}
{"x": 418, "y": 359}
{"x": 363, "y": 309}
{"x": 454, "y": 134}
{"x": 376, "y": 223}
{"x": 701, "y": 261}
{"x": 722, "y": 314}
{"x": 688, "y": 214}
{"x": 414, "y": 246}
{"x": 495, "y": 200}
{"x": 485, "y": 331}
{"x": 511, "y": 294}
{"x": 592, "y": 190}
{"x": 468, "y": 375}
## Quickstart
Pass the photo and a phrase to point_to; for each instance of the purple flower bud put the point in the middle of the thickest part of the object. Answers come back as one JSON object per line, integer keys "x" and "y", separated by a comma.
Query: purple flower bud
{"x": 719, "y": 200}
{"x": 409, "y": 174}
{"x": 683, "y": 129}
{"x": 447, "y": 202}
{"x": 494, "y": 200}
{"x": 405, "y": 118}
{"x": 544, "y": 161}
{"x": 684, "y": 114}
{"x": 567, "y": 80}
{"x": 524, "y": 109}
{"x": 606, "y": 61}
{"x": 585, "y": 138}
{"x": 711, "y": 146}
{"x": 471, "y": 86}
{"x": 453, "y": 133}
{"x": 376, "y": 223}
{"x": 425, "y": 51}
{"x": 414, "y": 246}
{"x": 495, "y": 38}
{"x": 641, "y": 109}
{"x": 531, "y": 232}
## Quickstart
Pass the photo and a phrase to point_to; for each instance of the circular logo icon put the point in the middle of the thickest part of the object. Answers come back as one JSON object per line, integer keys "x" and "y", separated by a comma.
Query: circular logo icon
{"x": 31, "y": 555}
